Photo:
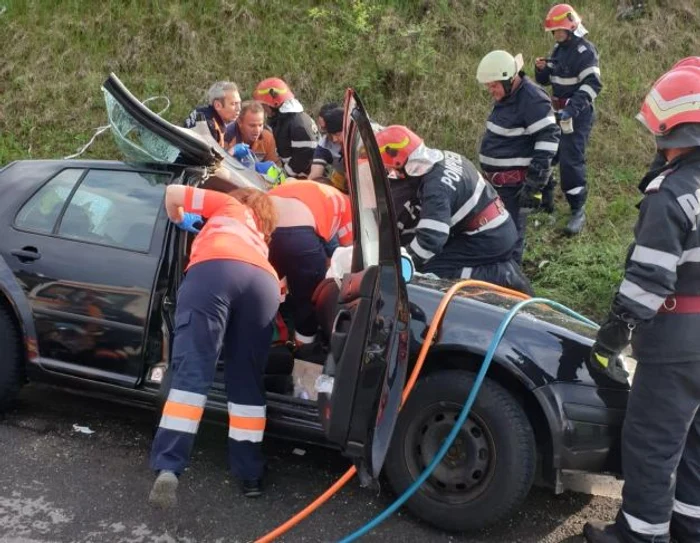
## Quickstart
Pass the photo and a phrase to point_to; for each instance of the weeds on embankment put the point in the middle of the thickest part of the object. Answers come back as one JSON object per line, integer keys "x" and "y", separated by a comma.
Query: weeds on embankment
{"x": 412, "y": 62}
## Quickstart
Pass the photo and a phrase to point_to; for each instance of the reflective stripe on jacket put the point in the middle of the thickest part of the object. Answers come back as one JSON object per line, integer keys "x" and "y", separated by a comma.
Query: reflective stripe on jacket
{"x": 230, "y": 232}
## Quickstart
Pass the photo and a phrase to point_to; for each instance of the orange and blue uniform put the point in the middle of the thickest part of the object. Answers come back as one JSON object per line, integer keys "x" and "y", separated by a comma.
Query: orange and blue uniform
{"x": 300, "y": 252}
{"x": 226, "y": 304}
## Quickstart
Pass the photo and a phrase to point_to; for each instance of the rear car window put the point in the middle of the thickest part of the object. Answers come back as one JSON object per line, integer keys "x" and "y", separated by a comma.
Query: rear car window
{"x": 109, "y": 207}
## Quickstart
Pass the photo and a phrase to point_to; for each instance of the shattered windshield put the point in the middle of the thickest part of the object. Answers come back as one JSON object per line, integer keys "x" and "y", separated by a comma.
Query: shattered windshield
{"x": 136, "y": 142}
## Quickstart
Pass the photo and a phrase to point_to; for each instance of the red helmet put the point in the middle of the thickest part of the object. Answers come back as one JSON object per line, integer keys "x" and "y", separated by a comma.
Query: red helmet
{"x": 562, "y": 17}
{"x": 272, "y": 91}
{"x": 673, "y": 100}
{"x": 687, "y": 61}
{"x": 396, "y": 143}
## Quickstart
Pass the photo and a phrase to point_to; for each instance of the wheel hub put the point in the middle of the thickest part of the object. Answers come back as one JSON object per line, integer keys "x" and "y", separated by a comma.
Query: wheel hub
{"x": 466, "y": 468}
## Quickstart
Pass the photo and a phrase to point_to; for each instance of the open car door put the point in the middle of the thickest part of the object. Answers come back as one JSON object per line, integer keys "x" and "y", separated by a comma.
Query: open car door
{"x": 144, "y": 136}
{"x": 369, "y": 340}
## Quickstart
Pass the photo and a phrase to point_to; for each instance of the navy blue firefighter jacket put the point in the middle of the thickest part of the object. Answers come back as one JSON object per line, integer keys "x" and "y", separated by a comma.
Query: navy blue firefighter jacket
{"x": 573, "y": 72}
{"x": 521, "y": 133}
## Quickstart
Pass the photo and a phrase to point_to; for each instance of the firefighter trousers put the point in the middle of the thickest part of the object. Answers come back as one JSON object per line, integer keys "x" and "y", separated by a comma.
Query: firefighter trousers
{"x": 572, "y": 159}
{"x": 229, "y": 306}
{"x": 661, "y": 455}
{"x": 509, "y": 195}
{"x": 299, "y": 254}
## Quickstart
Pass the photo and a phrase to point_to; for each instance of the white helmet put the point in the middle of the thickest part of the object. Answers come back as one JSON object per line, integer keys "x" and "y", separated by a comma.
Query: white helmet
{"x": 499, "y": 66}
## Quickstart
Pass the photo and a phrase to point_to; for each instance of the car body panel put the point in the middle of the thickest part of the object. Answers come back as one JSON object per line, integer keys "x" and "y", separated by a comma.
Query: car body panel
{"x": 369, "y": 339}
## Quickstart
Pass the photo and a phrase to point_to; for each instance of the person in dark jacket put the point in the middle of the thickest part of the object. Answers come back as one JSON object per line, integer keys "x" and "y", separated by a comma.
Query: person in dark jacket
{"x": 657, "y": 309}
{"x": 572, "y": 70}
{"x": 223, "y": 109}
{"x": 451, "y": 221}
{"x": 295, "y": 131}
{"x": 521, "y": 139}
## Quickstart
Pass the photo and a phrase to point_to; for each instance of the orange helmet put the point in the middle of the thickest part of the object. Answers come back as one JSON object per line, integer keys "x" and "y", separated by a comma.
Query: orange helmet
{"x": 562, "y": 17}
{"x": 687, "y": 61}
{"x": 272, "y": 91}
{"x": 673, "y": 100}
{"x": 396, "y": 143}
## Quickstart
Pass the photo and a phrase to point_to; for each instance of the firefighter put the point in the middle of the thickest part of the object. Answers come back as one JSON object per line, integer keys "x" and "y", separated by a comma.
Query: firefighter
{"x": 659, "y": 158}
{"x": 521, "y": 139}
{"x": 450, "y": 219}
{"x": 295, "y": 132}
{"x": 328, "y": 155}
{"x": 657, "y": 309}
{"x": 224, "y": 106}
{"x": 312, "y": 216}
{"x": 228, "y": 299}
{"x": 573, "y": 72}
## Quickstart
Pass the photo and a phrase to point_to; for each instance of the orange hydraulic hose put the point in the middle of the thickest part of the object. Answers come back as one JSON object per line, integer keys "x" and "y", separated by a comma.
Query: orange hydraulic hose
{"x": 432, "y": 330}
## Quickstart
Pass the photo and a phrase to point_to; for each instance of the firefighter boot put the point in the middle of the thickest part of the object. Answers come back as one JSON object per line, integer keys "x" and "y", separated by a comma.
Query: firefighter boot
{"x": 599, "y": 532}
{"x": 164, "y": 491}
{"x": 576, "y": 222}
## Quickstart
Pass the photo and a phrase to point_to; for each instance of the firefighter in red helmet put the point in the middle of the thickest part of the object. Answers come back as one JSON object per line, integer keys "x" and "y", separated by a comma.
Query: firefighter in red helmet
{"x": 572, "y": 71}
{"x": 450, "y": 219}
{"x": 657, "y": 309}
{"x": 295, "y": 131}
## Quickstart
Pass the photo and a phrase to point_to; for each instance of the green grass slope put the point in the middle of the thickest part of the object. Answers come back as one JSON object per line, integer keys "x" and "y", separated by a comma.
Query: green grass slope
{"x": 412, "y": 62}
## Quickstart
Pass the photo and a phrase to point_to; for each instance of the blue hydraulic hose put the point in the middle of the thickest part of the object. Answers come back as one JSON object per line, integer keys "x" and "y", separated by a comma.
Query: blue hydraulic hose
{"x": 498, "y": 336}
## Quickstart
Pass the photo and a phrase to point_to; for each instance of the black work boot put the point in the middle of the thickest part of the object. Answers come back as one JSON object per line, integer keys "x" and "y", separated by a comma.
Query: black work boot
{"x": 252, "y": 488}
{"x": 576, "y": 222}
{"x": 597, "y": 531}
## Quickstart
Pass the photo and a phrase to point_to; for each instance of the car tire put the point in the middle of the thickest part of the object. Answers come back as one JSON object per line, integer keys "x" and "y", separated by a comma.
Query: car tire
{"x": 487, "y": 472}
{"x": 10, "y": 360}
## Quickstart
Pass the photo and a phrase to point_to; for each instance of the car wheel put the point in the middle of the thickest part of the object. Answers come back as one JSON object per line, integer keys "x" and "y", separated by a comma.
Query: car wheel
{"x": 10, "y": 360}
{"x": 488, "y": 470}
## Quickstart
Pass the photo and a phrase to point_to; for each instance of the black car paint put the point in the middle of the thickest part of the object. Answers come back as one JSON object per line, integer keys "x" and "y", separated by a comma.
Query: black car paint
{"x": 547, "y": 359}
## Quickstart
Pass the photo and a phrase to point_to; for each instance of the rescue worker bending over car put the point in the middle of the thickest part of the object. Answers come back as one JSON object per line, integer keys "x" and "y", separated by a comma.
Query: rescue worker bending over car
{"x": 657, "y": 308}
{"x": 328, "y": 155}
{"x": 228, "y": 299}
{"x": 450, "y": 219}
{"x": 313, "y": 217}
{"x": 521, "y": 139}
{"x": 573, "y": 72}
{"x": 295, "y": 132}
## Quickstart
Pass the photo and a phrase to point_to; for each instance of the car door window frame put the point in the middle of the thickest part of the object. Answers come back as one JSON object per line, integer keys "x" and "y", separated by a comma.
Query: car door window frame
{"x": 168, "y": 179}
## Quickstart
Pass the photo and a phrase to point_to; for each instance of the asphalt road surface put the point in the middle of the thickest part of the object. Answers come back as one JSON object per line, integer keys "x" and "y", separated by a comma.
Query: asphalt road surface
{"x": 58, "y": 484}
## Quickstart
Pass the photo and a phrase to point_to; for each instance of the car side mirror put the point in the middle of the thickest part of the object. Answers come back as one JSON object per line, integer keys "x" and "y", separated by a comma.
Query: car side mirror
{"x": 407, "y": 268}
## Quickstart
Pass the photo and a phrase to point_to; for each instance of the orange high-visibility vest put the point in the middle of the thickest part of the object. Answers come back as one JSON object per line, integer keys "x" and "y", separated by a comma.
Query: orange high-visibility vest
{"x": 330, "y": 207}
{"x": 230, "y": 232}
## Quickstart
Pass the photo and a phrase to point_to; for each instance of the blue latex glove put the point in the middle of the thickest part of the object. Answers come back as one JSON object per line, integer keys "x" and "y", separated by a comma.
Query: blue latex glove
{"x": 191, "y": 223}
{"x": 564, "y": 115}
{"x": 241, "y": 150}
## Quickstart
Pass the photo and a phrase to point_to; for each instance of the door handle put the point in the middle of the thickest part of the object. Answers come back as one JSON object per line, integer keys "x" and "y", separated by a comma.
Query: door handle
{"x": 26, "y": 254}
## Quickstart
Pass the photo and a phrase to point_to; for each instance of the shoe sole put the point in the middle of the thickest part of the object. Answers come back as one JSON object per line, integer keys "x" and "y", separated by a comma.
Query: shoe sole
{"x": 253, "y": 494}
{"x": 164, "y": 491}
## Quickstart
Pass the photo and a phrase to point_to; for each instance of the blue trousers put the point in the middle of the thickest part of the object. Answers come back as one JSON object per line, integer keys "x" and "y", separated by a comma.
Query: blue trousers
{"x": 661, "y": 454}
{"x": 299, "y": 254}
{"x": 509, "y": 195}
{"x": 572, "y": 159}
{"x": 221, "y": 305}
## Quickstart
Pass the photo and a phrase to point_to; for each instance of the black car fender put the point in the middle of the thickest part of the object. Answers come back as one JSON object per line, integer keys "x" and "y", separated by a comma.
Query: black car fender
{"x": 14, "y": 296}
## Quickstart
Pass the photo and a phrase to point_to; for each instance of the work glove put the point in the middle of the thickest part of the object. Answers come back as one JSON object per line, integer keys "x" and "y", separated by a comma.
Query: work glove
{"x": 191, "y": 223}
{"x": 612, "y": 338}
{"x": 566, "y": 122}
{"x": 529, "y": 196}
{"x": 271, "y": 171}
{"x": 241, "y": 151}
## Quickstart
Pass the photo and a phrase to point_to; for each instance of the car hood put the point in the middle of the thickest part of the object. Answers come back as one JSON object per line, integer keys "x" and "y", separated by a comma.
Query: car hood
{"x": 495, "y": 299}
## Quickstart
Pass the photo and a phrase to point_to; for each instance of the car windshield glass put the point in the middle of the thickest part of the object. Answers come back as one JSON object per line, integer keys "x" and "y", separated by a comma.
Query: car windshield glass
{"x": 139, "y": 144}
